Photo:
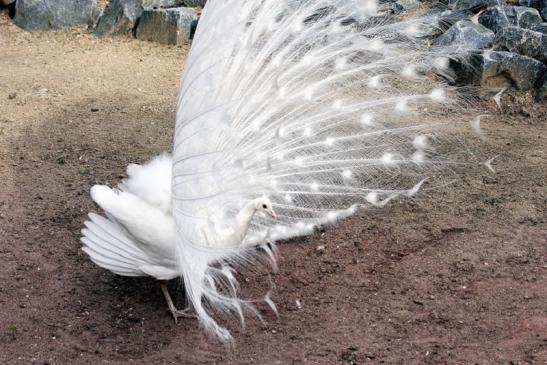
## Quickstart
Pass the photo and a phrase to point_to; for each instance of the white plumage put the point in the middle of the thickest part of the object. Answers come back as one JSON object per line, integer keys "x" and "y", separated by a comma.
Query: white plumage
{"x": 324, "y": 106}
{"x": 139, "y": 238}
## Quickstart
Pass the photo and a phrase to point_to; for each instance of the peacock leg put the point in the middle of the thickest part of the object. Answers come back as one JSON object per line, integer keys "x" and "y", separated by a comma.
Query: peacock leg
{"x": 176, "y": 313}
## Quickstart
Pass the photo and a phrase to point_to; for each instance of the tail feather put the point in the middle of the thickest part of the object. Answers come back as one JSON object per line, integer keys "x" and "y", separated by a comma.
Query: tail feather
{"x": 110, "y": 247}
{"x": 326, "y": 106}
{"x": 106, "y": 249}
{"x": 108, "y": 263}
{"x": 115, "y": 235}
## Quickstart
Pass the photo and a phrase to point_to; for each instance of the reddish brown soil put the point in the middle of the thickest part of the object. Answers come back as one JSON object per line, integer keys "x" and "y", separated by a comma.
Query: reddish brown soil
{"x": 457, "y": 276}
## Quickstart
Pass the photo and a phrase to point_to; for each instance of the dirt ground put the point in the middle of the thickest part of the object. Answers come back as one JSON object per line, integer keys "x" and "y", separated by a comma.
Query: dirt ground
{"x": 457, "y": 276}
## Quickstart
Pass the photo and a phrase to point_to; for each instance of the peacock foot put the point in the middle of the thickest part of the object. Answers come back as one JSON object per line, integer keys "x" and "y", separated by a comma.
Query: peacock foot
{"x": 176, "y": 313}
{"x": 184, "y": 313}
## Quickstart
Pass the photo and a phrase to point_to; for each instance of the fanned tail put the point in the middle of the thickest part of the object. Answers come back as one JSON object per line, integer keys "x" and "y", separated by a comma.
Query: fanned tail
{"x": 326, "y": 106}
{"x": 110, "y": 247}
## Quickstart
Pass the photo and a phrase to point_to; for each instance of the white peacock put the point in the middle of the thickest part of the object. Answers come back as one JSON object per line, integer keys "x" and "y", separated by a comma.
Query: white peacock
{"x": 304, "y": 110}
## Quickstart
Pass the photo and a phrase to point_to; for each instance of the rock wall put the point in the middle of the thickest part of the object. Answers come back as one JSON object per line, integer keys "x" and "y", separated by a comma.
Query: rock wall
{"x": 508, "y": 38}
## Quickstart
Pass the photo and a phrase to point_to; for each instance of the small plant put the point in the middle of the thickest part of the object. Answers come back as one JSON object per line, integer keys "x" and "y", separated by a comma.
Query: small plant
{"x": 12, "y": 330}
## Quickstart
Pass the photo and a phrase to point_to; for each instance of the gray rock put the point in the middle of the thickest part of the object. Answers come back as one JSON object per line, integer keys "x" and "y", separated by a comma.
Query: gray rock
{"x": 195, "y": 3}
{"x": 53, "y": 14}
{"x": 500, "y": 68}
{"x": 404, "y": 5}
{"x": 97, "y": 14}
{"x": 499, "y": 17}
{"x": 466, "y": 34}
{"x": 540, "y": 5}
{"x": 6, "y": 2}
{"x": 161, "y": 4}
{"x": 542, "y": 87}
{"x": 165, "y": 4}
{"x": 524, "y": 41}
{"x": 167, "y": 26}
{"x": 541, "y": 27}
{"x": 472, "y": 4}
{"x": 119, "y": 17}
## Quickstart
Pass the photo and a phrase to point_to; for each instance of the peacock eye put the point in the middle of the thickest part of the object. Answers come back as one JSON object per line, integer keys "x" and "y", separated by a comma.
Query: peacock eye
{"x": 264, "y": 206}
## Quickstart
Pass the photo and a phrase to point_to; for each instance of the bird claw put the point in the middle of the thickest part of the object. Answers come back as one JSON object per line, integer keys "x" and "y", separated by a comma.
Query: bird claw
{"x": 184, "y": 313}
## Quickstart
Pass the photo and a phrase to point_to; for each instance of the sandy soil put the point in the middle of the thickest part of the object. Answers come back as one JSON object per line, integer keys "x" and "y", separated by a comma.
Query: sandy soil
{"x": 458, "y": 276}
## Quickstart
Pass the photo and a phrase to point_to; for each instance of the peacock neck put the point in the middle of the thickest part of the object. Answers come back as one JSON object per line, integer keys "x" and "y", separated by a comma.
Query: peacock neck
{"x": 244, "y": 218}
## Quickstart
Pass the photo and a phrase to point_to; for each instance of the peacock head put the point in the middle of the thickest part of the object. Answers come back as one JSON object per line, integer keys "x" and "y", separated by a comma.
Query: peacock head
{"x": 263, "y": 204}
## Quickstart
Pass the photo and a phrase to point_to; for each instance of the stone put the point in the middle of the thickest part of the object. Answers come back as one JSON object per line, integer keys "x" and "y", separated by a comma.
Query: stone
{"x": 166, "y": 26}
{"x": 162, "y": 4}
{"x": 542, "y": 87}
{"x": 472, "y": 4}
{"x": 97, "y": 14}
{"x": 505, "y": 67}
{"x": 193, "y": 28}
{"x": 524, "y": 41}
{"x": 404, "y": 5}
{"x": 541, "y": 27}
{"x": 539, "y": 5}
{"x": 195, "y": 3}
{"x": 466, "y": 34}
{"x": 440, "y": 24}
{"x": 54, "y": 14}
{"x": 165, "y": 4}
{"x": 499, "y": 17}
{"x": 119, "y": 17}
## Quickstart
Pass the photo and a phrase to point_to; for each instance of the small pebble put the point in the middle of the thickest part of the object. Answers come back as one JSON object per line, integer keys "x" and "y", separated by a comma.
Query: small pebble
{"x": 12, "y": 96}
{"x": 320, "y": 248}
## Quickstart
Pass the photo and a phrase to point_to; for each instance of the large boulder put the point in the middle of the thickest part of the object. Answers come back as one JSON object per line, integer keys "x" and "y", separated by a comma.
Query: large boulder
{"x": 472, "y": 4}
{"x": 540, "y": 5}
{"x": 502, "y": 68}
{"x": 524, "y": 41}
{"x": 167, "y": 26}
{"x": 54, "y": 14}
{"x": 119, "y": 17}
{"x": 466, "y": 34}
{"x": 499, "y": 17}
